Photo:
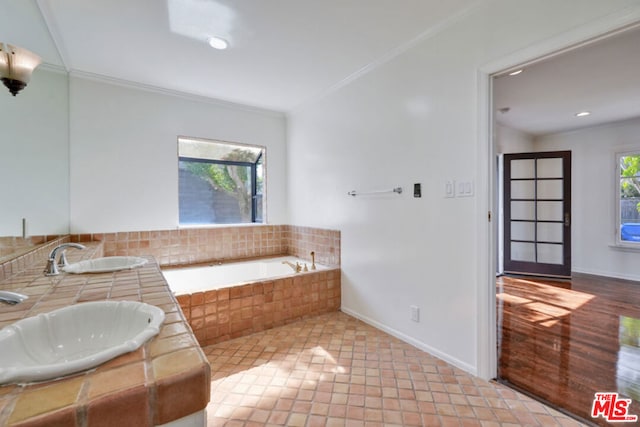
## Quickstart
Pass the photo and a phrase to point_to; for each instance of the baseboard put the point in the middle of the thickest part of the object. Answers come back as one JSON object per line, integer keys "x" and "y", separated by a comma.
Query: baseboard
{"x": 409, "y": 340}
{"x": 611, "y": 274}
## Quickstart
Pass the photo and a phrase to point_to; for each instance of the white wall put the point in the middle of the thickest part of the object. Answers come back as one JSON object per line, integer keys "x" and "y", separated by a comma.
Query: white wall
{"x": 593, "y": 197}
{"x": 510, "y": 140}
{"x": 34, "y": 159}
{"x": 415, "y": 119}
{"x": 123, "y": 153}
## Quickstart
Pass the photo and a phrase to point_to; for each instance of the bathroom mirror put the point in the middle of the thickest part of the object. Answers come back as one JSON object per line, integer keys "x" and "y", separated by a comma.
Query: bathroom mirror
{"x": 34, "y": 137}
{"x": 34, "y": 162}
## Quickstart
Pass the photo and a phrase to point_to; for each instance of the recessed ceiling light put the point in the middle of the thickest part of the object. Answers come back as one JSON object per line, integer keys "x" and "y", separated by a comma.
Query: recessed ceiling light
{"x": 583, "y": 113}
{"x": 218, "y": 43}
{"x": 516, "y": 72}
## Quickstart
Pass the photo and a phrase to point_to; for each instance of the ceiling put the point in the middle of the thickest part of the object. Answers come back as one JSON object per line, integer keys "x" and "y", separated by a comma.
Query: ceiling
{"x": 602, "y": 77}
{"x": 285, "y": 53}
{"x": 282, "y": 53}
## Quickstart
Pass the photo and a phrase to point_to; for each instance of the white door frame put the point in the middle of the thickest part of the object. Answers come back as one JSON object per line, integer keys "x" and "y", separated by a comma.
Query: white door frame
{"x": 487, "y": 362}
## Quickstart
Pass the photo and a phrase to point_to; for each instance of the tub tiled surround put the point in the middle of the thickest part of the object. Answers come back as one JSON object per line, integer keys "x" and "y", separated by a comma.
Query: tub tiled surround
{"x": 325, "y": 243}
{"x": 223, "y": 314}
{"x": 164, "y": 380}
{"x": 197, "y": 245}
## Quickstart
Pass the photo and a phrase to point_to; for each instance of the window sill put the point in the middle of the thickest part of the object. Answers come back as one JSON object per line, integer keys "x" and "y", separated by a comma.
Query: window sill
{"x": 633, "y": 247}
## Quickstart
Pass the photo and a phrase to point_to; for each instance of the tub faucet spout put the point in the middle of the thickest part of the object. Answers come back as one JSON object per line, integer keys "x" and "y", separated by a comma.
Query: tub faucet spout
{"x": 52, "y": 266}
{"x": 296, "y": 267}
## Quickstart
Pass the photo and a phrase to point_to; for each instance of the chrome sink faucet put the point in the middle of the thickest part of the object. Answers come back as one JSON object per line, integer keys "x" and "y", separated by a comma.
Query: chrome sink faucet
{"x": 11, "y": 298}
{"x": 52, "y": 266}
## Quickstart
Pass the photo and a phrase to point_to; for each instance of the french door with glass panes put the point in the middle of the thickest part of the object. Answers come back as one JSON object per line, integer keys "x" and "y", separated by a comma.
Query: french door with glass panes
{"x": 537, "y": 213}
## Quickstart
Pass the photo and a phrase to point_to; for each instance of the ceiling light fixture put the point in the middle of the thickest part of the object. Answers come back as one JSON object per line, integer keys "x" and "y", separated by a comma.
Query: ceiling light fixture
{"x": 218, "y": 43}
{"x": 516, "y": 72}
{"x": 583, "y": 113}
{"x": 16, "y": 66}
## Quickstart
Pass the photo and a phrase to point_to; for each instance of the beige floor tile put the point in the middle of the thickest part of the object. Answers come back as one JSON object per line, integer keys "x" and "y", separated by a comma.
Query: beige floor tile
{"x": 334, "y": 370}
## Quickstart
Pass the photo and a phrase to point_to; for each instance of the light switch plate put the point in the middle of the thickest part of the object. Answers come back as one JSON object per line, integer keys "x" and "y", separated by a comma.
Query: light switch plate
{"x": 449, "y": 188}
{"x": 464, "y": 188}
{"x": 415, "y": 313}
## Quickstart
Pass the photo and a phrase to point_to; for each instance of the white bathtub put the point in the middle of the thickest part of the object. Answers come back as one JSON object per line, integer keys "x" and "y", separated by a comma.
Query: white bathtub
{"x": 188, "y": 280}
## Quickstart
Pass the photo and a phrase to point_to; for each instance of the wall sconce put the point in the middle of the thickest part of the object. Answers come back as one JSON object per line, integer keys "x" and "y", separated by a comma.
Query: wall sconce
{"x": 16, "y": 66}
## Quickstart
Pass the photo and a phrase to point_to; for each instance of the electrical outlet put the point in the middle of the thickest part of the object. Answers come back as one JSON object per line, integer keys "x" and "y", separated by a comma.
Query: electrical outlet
{"x": 415, "y": 313}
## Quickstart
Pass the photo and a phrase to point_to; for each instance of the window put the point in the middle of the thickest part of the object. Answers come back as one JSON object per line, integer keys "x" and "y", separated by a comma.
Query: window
{"x": 220, "y": 182}
{"x": 629, "y": 198}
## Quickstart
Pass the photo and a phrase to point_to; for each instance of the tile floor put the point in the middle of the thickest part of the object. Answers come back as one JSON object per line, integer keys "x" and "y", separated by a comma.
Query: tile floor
{"x": 334, "y": 370}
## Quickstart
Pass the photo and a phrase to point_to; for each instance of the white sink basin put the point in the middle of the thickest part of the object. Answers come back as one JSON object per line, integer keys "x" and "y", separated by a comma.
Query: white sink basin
{"x": 74, "y": 338}
{"x": 104, "y": 265}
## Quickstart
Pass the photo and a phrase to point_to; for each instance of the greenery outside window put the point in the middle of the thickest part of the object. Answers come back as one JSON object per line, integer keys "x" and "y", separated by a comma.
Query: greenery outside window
{"x": 220, "y": 182}
{"x": 628, "y": 206}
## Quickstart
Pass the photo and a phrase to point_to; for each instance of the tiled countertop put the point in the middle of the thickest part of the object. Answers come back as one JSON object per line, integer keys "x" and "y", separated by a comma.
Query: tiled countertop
{"x": 164, "y": 380}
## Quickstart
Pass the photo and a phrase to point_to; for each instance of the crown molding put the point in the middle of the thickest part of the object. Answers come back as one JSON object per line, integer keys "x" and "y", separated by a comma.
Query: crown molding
{"x": 394, "y": 53}
{"x": 54, "y": 32}
{"x": 100, "y": 78}
{"x": 53, "y": 68}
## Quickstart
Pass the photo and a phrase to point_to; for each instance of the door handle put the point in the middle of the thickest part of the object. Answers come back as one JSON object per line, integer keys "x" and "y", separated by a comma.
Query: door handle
{"x": 567, "y": 219}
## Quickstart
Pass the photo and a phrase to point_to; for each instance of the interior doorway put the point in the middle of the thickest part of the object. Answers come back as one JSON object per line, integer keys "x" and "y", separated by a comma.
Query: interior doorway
{"x": 545, "y": 327}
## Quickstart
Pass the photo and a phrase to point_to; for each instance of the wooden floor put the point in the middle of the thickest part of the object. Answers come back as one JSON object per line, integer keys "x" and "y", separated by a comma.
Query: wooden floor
{"x": 563, "y": 341}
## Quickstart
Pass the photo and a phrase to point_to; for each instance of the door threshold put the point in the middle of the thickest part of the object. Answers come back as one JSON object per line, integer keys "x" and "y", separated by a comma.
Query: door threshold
{"x": 520, "y": 390}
